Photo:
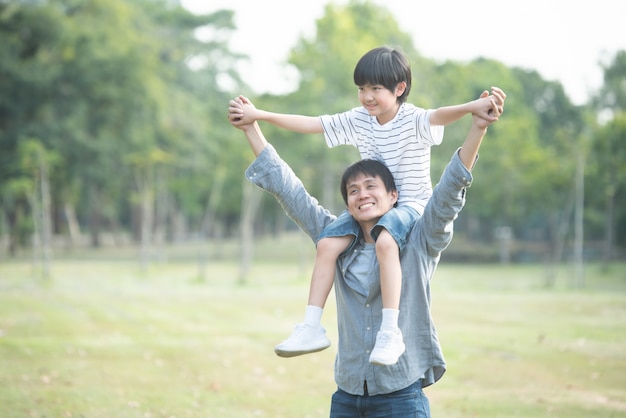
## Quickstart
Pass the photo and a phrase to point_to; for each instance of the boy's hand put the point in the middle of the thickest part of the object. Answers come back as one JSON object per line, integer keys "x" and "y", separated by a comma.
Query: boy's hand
{"x": 495, "y": 108}
{"x": 483, "y": 106}
{"x": 498, "y": 97}
{"x": 241, "y": 111}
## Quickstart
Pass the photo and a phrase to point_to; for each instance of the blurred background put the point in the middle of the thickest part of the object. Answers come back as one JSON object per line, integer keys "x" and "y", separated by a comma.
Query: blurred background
{"x": 113, "y": 130}
{"x": 141, "y": 274}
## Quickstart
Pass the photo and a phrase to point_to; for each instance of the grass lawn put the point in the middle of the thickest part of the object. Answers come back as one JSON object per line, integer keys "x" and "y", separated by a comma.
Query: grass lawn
{"x": 101, "y": 338}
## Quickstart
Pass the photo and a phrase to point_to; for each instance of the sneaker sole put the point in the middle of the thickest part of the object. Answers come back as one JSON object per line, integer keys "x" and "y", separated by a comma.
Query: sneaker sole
{"x": 379, "y": 362}
{"x": 284, "y": 353}
{"x": 383, "y": 363}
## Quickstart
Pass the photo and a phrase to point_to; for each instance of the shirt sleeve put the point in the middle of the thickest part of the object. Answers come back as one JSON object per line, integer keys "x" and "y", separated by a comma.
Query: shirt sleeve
{"x": 339, "y": 129}
{"x": 272, "y": 174}
{"x": 444, "y": 206}
{"x": 433, "y": 134}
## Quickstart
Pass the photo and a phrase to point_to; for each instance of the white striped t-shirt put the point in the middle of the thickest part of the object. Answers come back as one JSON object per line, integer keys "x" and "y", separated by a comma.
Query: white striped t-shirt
{"x": 402, "y": 144}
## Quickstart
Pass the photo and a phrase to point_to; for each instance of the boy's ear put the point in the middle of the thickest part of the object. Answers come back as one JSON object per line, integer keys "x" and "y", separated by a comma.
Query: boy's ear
{"x": 400, "y": 87}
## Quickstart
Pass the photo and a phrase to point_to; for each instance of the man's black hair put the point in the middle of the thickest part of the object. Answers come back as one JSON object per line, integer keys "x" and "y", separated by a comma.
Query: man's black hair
{"x": 369, "y": 167}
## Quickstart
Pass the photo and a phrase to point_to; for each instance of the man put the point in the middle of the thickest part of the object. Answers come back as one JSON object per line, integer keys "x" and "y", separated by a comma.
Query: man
{"x": 365, "y": 389}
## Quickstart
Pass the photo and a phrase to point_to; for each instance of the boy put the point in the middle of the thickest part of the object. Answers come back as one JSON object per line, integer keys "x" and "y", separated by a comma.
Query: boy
{"x": 386, "y": 128}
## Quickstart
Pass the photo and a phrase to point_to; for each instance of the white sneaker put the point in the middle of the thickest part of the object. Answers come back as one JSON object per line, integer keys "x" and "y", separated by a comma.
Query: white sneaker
{"x": 388, "y": 349}
{"x": 304, "y": 339}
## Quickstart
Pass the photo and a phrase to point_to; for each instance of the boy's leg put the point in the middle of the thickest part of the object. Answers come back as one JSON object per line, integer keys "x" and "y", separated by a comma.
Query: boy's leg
{"x": 328, "y": 250}
{"x": 309, "y": 336}
{"x": 389, "y": 343}
{"x": 388, "y": 255}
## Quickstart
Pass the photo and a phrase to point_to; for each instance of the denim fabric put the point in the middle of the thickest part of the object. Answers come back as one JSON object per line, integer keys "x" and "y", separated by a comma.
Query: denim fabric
{"x": 398, "y": 222}
{"x": 342, "y": 226}
{"x": 410, "y": 402}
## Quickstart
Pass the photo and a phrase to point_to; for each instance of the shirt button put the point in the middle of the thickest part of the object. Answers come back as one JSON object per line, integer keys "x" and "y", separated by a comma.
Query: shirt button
{"x": 367, "y": 305}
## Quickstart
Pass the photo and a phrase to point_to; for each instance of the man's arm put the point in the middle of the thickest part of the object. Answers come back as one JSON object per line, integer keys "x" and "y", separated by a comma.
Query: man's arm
{"x": 255, "y": 137}
{"x": 269, "y": 172}
{"x": 244, "y": 112}
{"x": 469, "y": 149}
{"x": 449, "y": 195}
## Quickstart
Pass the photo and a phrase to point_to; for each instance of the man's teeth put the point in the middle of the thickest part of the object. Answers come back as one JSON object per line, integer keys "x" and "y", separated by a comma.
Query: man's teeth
{"x": 365, "y": 206}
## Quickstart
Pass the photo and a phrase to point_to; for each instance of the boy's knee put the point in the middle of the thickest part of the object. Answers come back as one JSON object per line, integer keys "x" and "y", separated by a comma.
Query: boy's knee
{"x": 333, "y": 245}
{"x": 385, "y": 242}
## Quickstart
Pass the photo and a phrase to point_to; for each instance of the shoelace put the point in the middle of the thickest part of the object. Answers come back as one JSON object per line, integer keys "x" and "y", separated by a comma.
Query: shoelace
{"x": 299, "y": 331}
{"x": 384, "y": 339}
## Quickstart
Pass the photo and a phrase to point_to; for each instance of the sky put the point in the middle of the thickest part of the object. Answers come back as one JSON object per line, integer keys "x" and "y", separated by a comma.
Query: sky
{"x": 563, "y": 40}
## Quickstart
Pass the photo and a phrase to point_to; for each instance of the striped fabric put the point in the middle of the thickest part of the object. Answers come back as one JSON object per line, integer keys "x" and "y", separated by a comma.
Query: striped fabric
{"x": 403, "y": 144}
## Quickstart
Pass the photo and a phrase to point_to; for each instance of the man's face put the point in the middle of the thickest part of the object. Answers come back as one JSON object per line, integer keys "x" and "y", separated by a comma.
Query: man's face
{"x": 368, "y": 199}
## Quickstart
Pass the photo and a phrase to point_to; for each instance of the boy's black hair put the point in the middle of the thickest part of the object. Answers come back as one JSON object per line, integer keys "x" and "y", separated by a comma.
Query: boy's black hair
{"x": 368, "y": 167}
{"x": 385, "y": 66}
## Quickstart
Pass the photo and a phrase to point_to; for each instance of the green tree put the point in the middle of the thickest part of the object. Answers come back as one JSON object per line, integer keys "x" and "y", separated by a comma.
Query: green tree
{"x": 326, "y": 64}
{"x": 607, "y": 182}
{"x": 37, "y": 162}
{"x": 531, "y": 156}
{"x": 100, "y": 80}
{"x": 606, "y": 179}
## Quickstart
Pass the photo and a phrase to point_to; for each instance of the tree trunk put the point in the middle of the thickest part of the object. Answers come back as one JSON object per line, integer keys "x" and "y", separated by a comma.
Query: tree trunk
{"x": 72, "y": 224}
{"x": 147, "y": 217}
{"x": 46, "y": 220}
{"x": 579, "y": 278}
{"x": 95, "y": 216}
{"x": 609, "y": 232}
{"x": 208, "y": 228}
{"x": 161, "y": 209}
{"x": 250, "y": 204}
{"x": 35, "y": 204}
{"x": 40, "y": 203}
{"x": 560, "y": 236}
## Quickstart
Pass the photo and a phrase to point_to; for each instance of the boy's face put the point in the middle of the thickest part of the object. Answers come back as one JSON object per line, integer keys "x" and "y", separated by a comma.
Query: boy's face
{"x": 368, "y": 199}
{"x": 380, "y": 101}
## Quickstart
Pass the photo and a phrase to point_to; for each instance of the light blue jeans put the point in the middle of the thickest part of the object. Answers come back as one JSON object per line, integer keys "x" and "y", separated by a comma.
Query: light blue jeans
{"x": 398, "y": 222}
{"x": 410, "y": 402}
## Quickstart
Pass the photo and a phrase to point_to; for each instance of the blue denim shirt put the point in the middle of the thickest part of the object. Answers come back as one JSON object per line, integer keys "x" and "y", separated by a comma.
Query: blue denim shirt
{"x": 359, "y": 310}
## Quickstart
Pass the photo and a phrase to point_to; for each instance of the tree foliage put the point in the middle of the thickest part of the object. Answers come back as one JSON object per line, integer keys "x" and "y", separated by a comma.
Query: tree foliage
{"x": 131, "y": 103}
{"x": 108, "y": 86}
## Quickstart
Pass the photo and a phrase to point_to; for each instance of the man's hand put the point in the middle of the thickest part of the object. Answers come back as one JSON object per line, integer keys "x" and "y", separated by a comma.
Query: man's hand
{"x": 241, "y": 111}
{"x": 483, "y": 106}
{"x": 495, "y": 108}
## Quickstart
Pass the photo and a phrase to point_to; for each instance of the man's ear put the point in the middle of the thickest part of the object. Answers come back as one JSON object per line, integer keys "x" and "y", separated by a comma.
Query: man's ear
{"x": 394, "y": 197}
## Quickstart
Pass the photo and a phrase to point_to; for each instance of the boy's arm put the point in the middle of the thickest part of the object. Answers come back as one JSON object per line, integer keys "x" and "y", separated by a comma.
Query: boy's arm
{"x": 244, "y": 112}
{"x": 481, "y": 107}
